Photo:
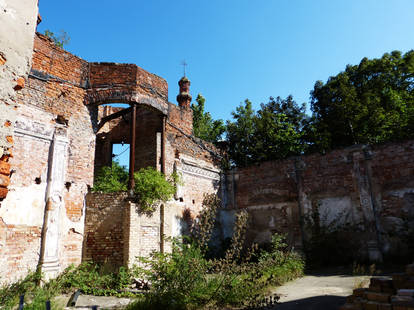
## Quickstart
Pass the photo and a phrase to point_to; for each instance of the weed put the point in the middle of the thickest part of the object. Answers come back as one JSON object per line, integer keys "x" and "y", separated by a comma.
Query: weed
{"x": 363, "y": 273}
{"x": 187, "y": 279}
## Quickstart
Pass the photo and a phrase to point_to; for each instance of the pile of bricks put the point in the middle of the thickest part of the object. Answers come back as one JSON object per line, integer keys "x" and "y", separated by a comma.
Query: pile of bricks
{"x": 396, "y": 293}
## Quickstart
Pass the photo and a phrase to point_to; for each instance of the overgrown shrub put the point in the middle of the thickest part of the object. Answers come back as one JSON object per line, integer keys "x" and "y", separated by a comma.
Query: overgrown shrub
{"x": 93, "y": 279}
{"x": 278, "y": 264}
{"x": 186, "y": 279}
{"x": 88, "y": 277}
{"x": 152, "y": 187}
{"x": 111, "y": 179}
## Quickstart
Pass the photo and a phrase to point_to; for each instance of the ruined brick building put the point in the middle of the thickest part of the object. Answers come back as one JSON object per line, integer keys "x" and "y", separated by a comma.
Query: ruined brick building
{"x": 56, "y": 133}
{"x": 56, "y": 130}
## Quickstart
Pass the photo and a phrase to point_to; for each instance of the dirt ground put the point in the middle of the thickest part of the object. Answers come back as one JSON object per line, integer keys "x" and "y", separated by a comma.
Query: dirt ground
{"x": 320, "y": 291}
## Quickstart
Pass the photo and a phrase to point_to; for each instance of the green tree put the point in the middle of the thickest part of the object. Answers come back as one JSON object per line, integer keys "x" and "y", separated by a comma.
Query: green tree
{"x": 279, "y": 125}
{"x": 274, "y": 132}
{"x": 240, "y": 135}
{"x": 204, "y": 126}
{"x": 60, "y": 39}
{"x": 372, "y": 102}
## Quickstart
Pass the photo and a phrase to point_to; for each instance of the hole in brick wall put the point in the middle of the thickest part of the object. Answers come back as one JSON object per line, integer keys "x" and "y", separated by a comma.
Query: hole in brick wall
{"x": 61, "y": 120}
{"x": 181, "y": 199}
{"x": 68, "y": 185}
{"x": 193, "y": 201}
{"x": 38, "y": 180}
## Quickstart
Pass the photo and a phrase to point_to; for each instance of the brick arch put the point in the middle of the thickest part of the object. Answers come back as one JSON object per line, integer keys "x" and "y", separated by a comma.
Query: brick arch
{"x": 99, "y": 97}
{"x": 126, "y": 83}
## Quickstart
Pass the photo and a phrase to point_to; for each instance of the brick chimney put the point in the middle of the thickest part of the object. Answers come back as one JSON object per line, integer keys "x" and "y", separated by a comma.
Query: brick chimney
{"x": 184, "y": 97}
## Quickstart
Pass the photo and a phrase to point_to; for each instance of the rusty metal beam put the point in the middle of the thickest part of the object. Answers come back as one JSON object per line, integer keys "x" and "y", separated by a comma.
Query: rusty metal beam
{"x": 133, "y": 125}
{"x": 108, "y": 118}
{"x": 162, "y": 220}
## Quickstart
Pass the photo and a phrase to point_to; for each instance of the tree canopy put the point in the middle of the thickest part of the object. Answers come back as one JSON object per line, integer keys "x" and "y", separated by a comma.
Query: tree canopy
{"x": 369, "y": 103}
{"x": 372, "y": 102}
{"x": 273, "y": 132}
{"x": 204, "y": 126}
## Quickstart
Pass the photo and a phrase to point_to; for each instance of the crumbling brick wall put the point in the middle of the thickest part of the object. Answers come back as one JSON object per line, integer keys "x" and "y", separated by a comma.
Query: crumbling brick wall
{"x": 53, "y": 100}
{"x": 17, "y": 243}
{"x": 371, "y": 185}
{"x": 55, "y": 130}
{"x": 16, "y": 37}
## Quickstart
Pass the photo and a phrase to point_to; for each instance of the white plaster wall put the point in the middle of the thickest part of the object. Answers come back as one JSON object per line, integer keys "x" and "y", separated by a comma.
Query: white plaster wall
{"x": 336, "y": 211}
{"x": 18, "y": 20}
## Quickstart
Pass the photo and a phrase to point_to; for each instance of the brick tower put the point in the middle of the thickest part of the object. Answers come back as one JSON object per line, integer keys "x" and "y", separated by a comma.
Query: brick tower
{"x": 184, "y": 97}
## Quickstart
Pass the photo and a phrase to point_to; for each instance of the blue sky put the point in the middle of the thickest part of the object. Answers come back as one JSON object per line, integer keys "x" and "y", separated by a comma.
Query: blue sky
{"x": 234, "y": 49}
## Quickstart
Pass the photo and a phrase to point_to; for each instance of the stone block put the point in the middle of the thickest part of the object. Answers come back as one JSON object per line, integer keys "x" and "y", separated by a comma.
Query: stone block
{"x": 403, "y": 301}
{"x": 385, "y": 307}
{"x": 406, "y": 292}
{"x": 379, "y": 297}
{"x": 347, "y": 306}
{"x": 410, "y": 269}
{"x": 359, "y": 292}
{"x": 370, "y": 305}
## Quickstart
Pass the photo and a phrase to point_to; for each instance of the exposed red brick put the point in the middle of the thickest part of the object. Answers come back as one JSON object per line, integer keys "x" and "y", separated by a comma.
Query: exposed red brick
{"x": 4, "y": 180}
{"x": 2, "y": 59}
{"x": 3, "y": 192}
{"x": 4, "y": 168}
{"x": 19, "y": 83}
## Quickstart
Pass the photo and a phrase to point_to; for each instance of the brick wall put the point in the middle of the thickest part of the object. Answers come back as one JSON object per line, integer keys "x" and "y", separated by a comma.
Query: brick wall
{"x": 104, "y": 229}
{"x": 116, "y": 232}
{"x": 124, "y": 83}
{"x": 148, "y": 125}
{"x": 371, "y": 185}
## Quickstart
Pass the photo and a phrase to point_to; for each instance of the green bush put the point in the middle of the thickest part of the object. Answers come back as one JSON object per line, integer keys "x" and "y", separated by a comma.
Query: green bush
{"x": 111, "y": 179}
{"x": 280, "y": 265}
{"x": 186, "y": 279}
{"x": 9, "y": 293}
{"x": 88, "y": 277}
{"x": 151, "y": 188}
